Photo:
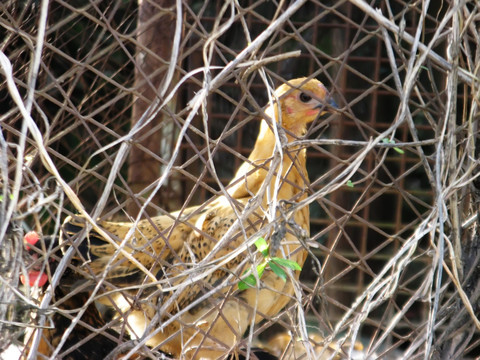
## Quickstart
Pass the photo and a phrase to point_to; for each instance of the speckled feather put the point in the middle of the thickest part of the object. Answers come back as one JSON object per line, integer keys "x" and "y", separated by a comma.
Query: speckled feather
{"x": 171, "y": 245}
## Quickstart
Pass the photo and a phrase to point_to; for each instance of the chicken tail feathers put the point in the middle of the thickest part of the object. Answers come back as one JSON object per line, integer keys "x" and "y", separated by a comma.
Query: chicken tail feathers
{"x": 75, "y": 227}
{"x": 94, "y": 251}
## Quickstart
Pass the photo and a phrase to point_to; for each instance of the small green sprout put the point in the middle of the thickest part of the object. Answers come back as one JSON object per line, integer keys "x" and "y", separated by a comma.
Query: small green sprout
{"x": 350, "y": 183}
{"x": 10, "y": 196}
{"x": 262, "y": 246}
{"x": 275, "y": 264}
{"x": 390, "y": 141}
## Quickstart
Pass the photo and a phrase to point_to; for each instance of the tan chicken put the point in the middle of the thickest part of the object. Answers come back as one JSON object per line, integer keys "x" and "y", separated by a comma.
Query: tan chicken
{"x": 198, "y": 255}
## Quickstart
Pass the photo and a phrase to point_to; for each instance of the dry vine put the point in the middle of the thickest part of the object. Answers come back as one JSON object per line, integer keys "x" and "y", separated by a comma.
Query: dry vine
{"x": 394, "y": 188}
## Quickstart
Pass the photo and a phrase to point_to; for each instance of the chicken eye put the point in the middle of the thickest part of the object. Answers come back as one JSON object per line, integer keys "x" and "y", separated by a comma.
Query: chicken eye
{"x": 304, "y": 97}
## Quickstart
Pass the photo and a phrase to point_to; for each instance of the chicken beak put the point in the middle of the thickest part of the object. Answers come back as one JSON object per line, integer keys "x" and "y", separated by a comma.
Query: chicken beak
{"x": 333, "y": 104}
{"x": 329, "y": 104}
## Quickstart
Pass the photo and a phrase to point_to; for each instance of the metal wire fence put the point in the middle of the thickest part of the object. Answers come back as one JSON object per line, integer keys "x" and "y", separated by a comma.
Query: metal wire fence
{"x": 110, "y": 107}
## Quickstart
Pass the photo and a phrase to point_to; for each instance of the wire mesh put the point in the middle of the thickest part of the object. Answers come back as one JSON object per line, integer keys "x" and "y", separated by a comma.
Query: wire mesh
{"x": 393, "y": 179}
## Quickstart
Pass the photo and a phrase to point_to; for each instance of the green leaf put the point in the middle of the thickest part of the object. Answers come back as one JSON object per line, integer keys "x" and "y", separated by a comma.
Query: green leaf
{"x": 262, "y": 246}
{"x": 247, "y": 283}
{"x": 391, "y": 141}
{"x": 278, "y": 270}
{"x": 251, "y": 280}
{"x": 287, "y": 263}
{"x": 350, "y": 183}
{"x": 261, "y": 268}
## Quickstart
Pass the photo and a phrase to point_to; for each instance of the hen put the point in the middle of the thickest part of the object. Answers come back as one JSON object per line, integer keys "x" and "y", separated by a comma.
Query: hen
{"x": 198, "y": 255}
{"x": 85, "y": 341}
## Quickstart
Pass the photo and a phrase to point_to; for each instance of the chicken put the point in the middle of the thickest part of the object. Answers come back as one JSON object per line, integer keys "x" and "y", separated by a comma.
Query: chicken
{"x": 198, "y": 255}
{"x": 284, "y": 346}
{"x": 85, "y": 341}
